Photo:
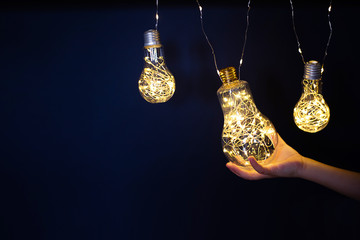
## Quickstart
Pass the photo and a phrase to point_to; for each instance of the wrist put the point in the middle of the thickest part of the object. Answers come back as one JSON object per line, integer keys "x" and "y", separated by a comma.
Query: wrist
{"x": 306, "y": 164}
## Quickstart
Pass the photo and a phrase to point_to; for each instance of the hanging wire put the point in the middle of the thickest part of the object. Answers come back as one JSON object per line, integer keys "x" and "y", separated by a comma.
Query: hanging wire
{"x": 297, "y": 38}
{"x": 245, "y": 37}
{"x": 330, "y": 34}
{"x": 208, "y": 41}
{"x": 157, "y": 15}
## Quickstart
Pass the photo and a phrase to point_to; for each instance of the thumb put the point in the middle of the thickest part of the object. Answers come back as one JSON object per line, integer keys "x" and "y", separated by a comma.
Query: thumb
{"x": 259, "y": 168}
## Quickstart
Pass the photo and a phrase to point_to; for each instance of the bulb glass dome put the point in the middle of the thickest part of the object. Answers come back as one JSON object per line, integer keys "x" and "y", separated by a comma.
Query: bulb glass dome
{"x": 246, "y": 131}
{"x": 311, "y": 113}
{"x": 156, "y": 83}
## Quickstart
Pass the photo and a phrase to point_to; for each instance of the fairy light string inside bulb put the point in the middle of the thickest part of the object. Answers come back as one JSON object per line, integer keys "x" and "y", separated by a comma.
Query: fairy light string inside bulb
{"x": 311, "y": 113}
{"x": 156, "y": 83}
{"x": 246, "y": 132}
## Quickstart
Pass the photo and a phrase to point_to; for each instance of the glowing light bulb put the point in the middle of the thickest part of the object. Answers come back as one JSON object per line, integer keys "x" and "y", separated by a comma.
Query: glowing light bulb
{"x": 246, "y": 132}
{"x": 156, "y": 83}
{"x": 311, "y": 113}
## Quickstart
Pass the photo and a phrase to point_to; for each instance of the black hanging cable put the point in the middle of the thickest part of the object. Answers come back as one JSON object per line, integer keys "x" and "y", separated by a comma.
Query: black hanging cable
{"x": 157, "y": 15}
{"x": 208, "y": 41}
{"x": 297, "y": 37}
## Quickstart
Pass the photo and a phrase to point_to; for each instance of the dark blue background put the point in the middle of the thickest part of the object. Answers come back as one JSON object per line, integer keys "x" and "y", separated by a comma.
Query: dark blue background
{"x": 83, "y": 156}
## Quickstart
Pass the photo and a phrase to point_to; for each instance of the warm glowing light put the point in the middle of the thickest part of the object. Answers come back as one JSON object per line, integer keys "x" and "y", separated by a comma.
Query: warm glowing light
{"x": 246, "y": 132}
{"x": 311, "y": 113}
{"x": 156, "y": 83}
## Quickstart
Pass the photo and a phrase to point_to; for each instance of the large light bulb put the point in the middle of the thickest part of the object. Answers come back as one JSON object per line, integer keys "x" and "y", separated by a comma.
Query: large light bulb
{"x": 247, "y": 132}
{"x": 156, "y": 83}
{"x": 311, "y": 113}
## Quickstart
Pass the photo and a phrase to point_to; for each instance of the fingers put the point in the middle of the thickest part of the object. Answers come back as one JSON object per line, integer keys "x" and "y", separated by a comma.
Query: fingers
{"x": 260, "y": 169}
{"x": 245, "y": 173}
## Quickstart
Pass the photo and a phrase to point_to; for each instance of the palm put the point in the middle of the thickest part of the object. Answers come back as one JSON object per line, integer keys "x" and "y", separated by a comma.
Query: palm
{"x": 285, "y": 163}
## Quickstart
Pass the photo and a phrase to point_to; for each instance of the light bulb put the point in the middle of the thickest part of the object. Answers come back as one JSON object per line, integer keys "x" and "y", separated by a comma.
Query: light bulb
{"x": 311, "y": 113}
{"x": 246, "y": 132}
{"x": 156, "y": 83}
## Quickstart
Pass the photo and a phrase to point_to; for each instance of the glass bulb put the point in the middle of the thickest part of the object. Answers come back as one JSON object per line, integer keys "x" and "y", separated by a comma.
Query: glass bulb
{"x": 156, "y": 83}
{"x": 311, "y": 113}
{"x": 246, "y": 132}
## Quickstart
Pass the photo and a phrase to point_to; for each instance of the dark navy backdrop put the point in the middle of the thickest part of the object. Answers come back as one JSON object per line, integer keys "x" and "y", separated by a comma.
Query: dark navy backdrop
{"x": 83, "y": 156}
